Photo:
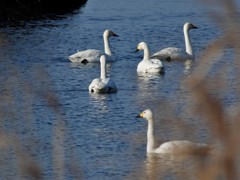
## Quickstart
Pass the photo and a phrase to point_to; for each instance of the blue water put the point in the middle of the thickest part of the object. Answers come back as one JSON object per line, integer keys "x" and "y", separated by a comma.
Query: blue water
{"x": 101, "y": 133}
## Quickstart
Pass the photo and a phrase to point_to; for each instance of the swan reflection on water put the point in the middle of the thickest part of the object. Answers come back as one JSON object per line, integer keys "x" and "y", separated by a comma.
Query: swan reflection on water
{"x": 99, "y": 101}
{"x": 148, "y": 77}
{"x": 188, "y": 65}
{"x": 183, "y": 166}
{"x": 148, "y": 83}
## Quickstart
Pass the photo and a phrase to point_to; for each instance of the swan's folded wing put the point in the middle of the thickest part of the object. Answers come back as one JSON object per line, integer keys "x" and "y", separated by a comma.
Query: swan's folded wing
{"x": 153, "y": 69}
{"x": 91, "y": 55}
{"x": 163, "y": 54}
{"x": 110, "y": 86}
{"x": 174, "y": 147}
{"x": 149, "y": 66}
{"x": 160, "y": 56}
{"x": 178, "y": 54}
{"x": 156, "y": 62}
{"x": 182, "y": 146}
{"x": 172, "y": 53}
{"x": 99, "y": 85}
{"x": 155, "y": 65}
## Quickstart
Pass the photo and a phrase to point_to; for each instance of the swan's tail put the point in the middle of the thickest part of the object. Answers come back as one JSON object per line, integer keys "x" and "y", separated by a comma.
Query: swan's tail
{"x": 162, "y": 71}
{"x": 203, "y": 148}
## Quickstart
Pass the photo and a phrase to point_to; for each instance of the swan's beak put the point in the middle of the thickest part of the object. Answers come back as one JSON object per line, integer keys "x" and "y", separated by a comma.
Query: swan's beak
{"x": 194, "y": 27}
{"x": 140, "y": 115}
{"x": 115, "y": 35}
{"x": 136, "y": 50}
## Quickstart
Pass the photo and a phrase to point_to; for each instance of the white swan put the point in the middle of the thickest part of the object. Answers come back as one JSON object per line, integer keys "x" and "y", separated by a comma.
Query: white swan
{"x": 171, "y": 147}
{"x": 173, "y": 53}
{"x": 93, "y": 55}
{"x": 103, "y": 84}
{"x": 148, "y": 65}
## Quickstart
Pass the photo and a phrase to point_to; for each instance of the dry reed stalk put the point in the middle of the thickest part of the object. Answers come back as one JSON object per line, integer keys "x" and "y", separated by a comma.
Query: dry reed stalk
{"x": 224, "y": 122}
{"x": 206, "y": 89}
{"x": 19, "y": 140}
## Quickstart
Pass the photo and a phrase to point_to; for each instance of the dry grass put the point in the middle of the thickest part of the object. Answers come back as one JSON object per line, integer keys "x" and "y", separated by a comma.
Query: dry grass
{"x": 223, "y": 120}
{"x": 208, "y": 89}
{"x": 20, "y": 143}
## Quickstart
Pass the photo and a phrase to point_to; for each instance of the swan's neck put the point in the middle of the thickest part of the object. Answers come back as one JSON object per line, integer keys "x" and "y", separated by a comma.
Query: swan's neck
{"x": 146, "y": 52}
{"x": 187, "y": 42}
{"x": 106, "y": 45}
{"x": 103, "y": 69}
{"x": 150, "y": 136}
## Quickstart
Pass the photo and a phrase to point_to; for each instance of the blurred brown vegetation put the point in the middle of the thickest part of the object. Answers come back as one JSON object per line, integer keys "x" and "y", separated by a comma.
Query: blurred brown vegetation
{"x": 209, "y": 86}
{"x": 209, "y": 90}
{"x": 21, "y": 146}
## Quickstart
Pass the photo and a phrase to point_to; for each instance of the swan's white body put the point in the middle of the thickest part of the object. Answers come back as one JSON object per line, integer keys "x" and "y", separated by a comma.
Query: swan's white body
{"x": 173, "y": 53}
{"x": 93, "y": 55}
{"x": 171, "y": 147}
{"x": 103, "y": 84}
{"x": 148, "y": 65}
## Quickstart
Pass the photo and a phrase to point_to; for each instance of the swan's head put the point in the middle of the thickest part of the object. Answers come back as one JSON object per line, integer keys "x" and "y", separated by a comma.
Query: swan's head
{"x": 188, "y": 26}
{"x": 146, "y": 114}
{"x": 141, "y": 46}
{"x": 108, "y": 33}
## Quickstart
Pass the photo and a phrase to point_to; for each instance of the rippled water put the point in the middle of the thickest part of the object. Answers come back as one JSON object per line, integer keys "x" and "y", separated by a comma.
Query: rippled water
{"x": 103, "y": 135}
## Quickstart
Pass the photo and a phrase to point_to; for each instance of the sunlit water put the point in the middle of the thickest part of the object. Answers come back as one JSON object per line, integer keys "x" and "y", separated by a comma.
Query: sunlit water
{"x": 103, "y": 135}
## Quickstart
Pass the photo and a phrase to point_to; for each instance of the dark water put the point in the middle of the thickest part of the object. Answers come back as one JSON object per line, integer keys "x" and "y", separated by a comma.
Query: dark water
{"x": 101, "y": 132}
